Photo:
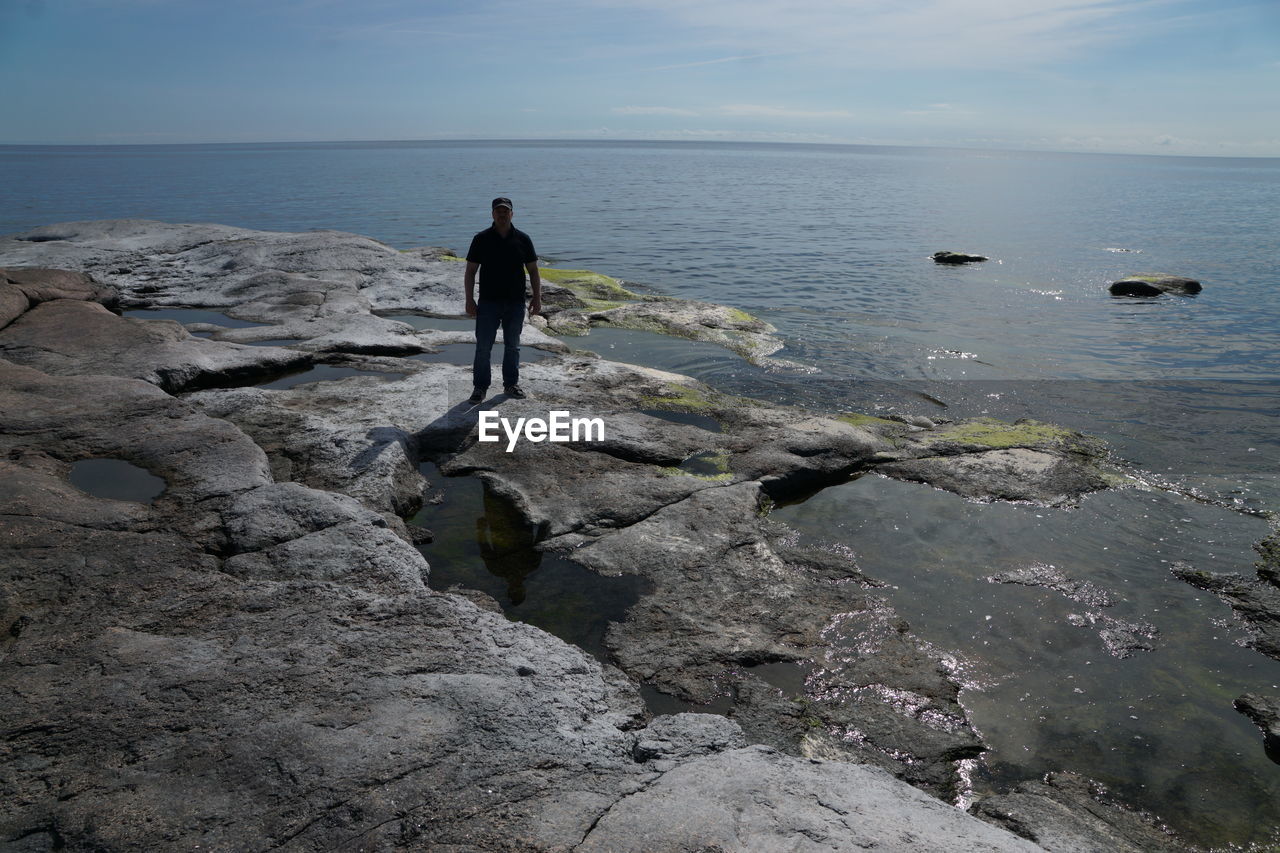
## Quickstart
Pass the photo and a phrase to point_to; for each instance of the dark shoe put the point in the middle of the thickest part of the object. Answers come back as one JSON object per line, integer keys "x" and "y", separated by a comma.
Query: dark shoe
{"x": 477, "y": 395}
{"x": 514, "y": 391}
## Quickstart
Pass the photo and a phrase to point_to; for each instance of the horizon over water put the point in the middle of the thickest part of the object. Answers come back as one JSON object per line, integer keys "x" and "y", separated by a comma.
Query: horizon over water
{"x": 831, "y": 244}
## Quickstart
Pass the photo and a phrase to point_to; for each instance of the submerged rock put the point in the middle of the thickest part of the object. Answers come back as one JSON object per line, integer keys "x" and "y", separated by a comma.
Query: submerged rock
{"x": 1265, "y": 712}
{"x": 949, "y": 257}
{"x": 1154, "y": 284}
{"x": 1068, "y": 812}
{"x": 1255, "y": 601}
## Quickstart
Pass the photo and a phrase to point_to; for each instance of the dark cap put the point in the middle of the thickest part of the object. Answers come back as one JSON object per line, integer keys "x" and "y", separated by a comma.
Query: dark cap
{"x": 503, "y": 201}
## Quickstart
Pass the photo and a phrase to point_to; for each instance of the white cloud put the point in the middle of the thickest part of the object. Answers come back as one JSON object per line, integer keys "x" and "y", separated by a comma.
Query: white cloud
{"x": 761, "y": 111}
{"x": 652, "y": 111}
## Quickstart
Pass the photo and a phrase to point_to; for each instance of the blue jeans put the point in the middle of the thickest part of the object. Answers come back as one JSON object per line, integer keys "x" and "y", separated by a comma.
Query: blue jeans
{"x": 489, "y": 315}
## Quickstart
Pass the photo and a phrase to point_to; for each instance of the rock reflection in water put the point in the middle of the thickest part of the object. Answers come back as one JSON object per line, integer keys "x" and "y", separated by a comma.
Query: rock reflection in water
{"x": 482, "y": 543}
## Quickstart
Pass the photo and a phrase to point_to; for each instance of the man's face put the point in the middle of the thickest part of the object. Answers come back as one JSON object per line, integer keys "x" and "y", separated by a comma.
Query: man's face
{"x": 501, "y": 215}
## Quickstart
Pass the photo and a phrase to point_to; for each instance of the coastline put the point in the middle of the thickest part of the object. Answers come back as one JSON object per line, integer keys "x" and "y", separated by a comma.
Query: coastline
{"x": 356, "y": 447}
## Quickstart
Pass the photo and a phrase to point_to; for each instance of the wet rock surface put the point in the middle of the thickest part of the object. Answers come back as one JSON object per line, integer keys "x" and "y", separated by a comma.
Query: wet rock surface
{"x": 1119, "y": 637}
{"x": 1265, "y": 713}
{"x": 1066, "y": 812}
{"x": 256, "y": 660}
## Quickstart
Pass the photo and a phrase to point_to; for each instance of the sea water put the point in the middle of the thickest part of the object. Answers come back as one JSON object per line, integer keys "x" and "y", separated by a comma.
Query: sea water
{"x": 831, "y": 244}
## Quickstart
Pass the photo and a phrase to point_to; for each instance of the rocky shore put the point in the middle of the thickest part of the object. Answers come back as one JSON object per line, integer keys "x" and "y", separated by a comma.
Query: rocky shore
{"x": 255, "y": 661}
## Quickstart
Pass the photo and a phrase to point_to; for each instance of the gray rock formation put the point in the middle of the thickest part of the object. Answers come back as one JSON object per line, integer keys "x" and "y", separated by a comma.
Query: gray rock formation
{"x": 256, "y": 661}
{"x": 24, "y": 288}
{"x": 73, "y": 337}
{"x": 817, "y": 806}
{"x": 1154, "y": 284}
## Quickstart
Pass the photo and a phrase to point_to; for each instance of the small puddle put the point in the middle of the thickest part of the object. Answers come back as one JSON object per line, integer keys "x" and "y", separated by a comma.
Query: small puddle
{"x": 116, "y": 480}
{"x": 275, "y": 342}
{"x": 706, "y": 422}
{"x": 481, "y": 543}
{"x": 463, "y": 353}
{"x": 326, "y": 373}
{"x": 191, "y": 315}
{"x": 706, "y": 463}
{"x": 442, "y": 324}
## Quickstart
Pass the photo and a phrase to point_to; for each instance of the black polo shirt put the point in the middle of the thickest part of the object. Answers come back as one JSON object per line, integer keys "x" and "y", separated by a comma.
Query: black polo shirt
{"x": 501, "y": 261}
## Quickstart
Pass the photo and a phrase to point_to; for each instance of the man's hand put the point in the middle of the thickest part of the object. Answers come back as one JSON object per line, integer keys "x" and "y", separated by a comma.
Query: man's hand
{"x": 471, "y": 307}
{"x": 535, "y": 306}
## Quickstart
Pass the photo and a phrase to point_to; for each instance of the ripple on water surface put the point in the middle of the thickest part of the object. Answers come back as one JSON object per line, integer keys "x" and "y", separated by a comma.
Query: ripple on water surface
{"x": 1051, "y": 691}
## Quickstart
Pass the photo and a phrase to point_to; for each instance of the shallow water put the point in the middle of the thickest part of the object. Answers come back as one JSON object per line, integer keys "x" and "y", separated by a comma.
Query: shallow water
{"x": 116, "y": 480}
{"x": 1157, "y": 727}
{"x": 325, "y": 373}
{"x": 191, "y": 315}
{"x": 481, "y": 543}
{"x": 443, "y": 324}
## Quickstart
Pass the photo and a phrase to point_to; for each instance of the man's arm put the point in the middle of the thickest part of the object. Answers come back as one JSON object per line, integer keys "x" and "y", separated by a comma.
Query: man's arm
{"x": 535, "y": 285}
{"x": 469, "y": 282}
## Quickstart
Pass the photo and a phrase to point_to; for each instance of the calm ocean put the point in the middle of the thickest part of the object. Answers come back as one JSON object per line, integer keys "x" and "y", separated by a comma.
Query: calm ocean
{"x": 831, "y": 245}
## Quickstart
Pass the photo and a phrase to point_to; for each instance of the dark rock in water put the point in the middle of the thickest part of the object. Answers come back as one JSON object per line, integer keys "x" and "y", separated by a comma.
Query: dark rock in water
{"x": 1154, "y": 284}
{"x": 1120, "y": 638}
{"x": 1255, "y": 601}
{"x": 1050, "y": 577}
{"x": 1068, "y": 812}
{"x": 1265, "y": 712}
{"x": 948, "y": 257}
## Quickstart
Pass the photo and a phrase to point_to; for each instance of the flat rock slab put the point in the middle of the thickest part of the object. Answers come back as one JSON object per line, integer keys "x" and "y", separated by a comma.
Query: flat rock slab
{"x": 73, "y": 337}
{"x": 811, "y": 806}
{"x": 24, "y": 287}
{"x": 1155, "y": 284}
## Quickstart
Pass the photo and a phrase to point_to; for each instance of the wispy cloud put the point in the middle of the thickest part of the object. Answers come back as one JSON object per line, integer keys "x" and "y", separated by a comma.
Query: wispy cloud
{"x": 723, "y": 59}
{"x": 762, "y": 111}
{"x": 919, "y": 34}
{"x": 941, "y": 110}
{"x": 652, "y": 111}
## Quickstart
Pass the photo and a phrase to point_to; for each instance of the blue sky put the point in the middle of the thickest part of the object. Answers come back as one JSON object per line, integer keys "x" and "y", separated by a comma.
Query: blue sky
{"x": 1141, "y": 76}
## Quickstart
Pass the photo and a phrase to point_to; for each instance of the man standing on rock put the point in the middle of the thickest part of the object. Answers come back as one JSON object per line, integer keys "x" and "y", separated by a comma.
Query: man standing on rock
{"x": 503, "y": 254}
